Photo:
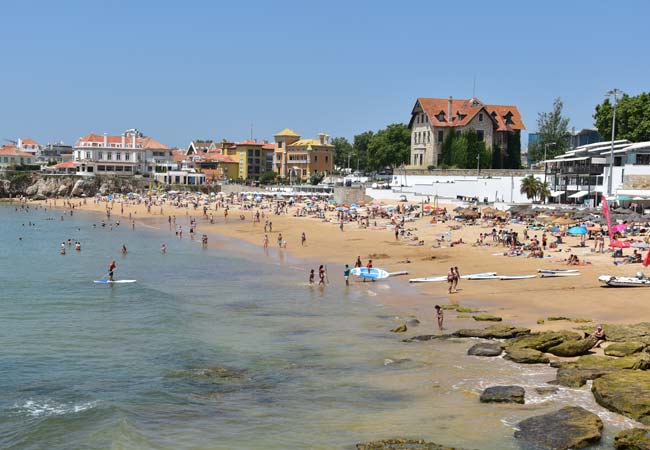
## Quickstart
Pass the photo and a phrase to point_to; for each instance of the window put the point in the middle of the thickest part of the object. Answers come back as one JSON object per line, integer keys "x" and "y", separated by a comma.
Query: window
{"x": 87, "y": 155}
{"x": 101, "y": 168}
{"x": 326, "y": 158}
{"x": 118, "y": 156}
{"x": 100, "y": 155}
{"x": 428, "y": 136}
{"x": 257, "y": 153}
{"x": 481, "y": 134}
{"x": 441, "y": 117}
{"x": 126, "y": 157}
{"x": 279, "y": 144}
{"x": 440, "y": 135}
{"x": 480, "y": 117}
{"x": 315, "y": 158}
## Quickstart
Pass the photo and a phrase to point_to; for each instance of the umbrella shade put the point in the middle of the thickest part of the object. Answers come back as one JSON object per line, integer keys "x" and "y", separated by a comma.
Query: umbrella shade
{"x": 340, "y": 208}
{"x": 640, "y": 245}
{"x": 577, "y": 230}
{"x": 619, "y": 244}
{"x": 594, "y": 228}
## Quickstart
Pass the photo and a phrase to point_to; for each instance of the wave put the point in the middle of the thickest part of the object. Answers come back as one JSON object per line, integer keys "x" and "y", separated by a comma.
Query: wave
{"x": 45, "y": 408}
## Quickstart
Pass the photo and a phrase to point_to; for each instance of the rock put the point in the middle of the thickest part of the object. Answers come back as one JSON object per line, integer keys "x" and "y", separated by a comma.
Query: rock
{"x": 547, "y": 390}
{"x": 633, "y": 439}
{"x": 493, "y": 332}
{"x": 400, "y": 329}
{"x": 556, "y": 318}
{"x": 427, "y": 337}
{"x": 570, "y": 427}
{"x": 403, "y": 444}
{"x": 449, "y": 307}
{"x": 544, "y": 341}
{"x": 626, "y": 392}
{"x": 621, "y": 333}
{"x": 624, "y": 348}
{"x": 413, "y": 322}
{"x": 485, "y": 349}
{"x": 573, "y": 348}
{"x": 462, "y": 310}
{"x": 590, "y": 367}
{"x": 217, "y": 373}
{"x": 487, "y": 318}
{"x": 540, "y": 321}
{"x": 526, "y": 356}
{"x": 503, "y": 394}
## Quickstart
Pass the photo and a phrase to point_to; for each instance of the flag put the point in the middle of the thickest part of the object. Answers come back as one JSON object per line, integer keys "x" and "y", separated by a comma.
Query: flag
{"x": 646, "y": 261}
{"x": 608, "y": 218}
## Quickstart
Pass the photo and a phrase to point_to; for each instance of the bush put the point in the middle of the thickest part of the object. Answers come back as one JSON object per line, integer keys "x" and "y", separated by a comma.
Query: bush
{"x": 268, "y": 178}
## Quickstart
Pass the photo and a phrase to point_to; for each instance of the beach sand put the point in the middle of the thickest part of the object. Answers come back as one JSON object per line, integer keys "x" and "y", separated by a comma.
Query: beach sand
{"x": 520, "y": 302}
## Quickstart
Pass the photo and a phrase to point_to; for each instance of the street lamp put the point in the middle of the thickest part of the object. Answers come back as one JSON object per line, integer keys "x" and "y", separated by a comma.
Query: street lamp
{"x": 612, "y": 93}
{"x": 546, "y": 146}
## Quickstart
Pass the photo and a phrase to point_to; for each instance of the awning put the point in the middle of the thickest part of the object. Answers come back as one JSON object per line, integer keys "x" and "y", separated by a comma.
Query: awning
{"x": 558, "y": 160}
{"x": 579, "y": 194}
{"x": 634, "y": 192}
{"x": 556, "y": 193}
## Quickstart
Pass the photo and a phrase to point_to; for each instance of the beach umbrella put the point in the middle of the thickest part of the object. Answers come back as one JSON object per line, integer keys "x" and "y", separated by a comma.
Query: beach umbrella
{"x": 619, "y": 244}
{"x": 577, "y": 230}
{"x": 340, "y": 208}
{"x": 640, "y": 245}
{"x": 428, "y": 207}
{"x": 354, "y": 205}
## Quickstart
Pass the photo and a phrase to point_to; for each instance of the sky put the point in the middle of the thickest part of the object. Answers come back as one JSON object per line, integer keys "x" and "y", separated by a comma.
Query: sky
{"x": 180, "y": 71}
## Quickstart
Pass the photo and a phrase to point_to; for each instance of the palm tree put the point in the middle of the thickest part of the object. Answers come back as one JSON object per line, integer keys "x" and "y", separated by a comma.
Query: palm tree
{"x": 530, "y": 187}
{"x": 543, "y": 190}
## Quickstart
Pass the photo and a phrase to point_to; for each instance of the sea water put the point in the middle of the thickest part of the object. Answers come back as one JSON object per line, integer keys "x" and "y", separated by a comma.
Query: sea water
{"x": 90, "y": 366}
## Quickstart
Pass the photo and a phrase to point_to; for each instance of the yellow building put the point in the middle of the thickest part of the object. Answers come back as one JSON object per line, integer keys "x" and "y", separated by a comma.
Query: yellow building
{"x": 298, "y": 159}
{"x": 254, "y": 158}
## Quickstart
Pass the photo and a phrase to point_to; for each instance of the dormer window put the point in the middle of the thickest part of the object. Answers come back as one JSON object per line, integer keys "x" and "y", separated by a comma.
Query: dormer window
{"x": 441, "y": 117}
{"x": 508, "y": 118}
{"x": 480, "y": 117}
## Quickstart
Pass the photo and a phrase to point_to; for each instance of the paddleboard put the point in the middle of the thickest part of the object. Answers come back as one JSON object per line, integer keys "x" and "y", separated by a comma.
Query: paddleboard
{"x": 434, "y": 278}
{"x": 516, "y": 277}
{"x": 480, "y": 274}
{"x": 557, "y": 270}
{"x": 371, "y": 274}
{"x": 557, "y": 274}
{"x": 114, "y": 281}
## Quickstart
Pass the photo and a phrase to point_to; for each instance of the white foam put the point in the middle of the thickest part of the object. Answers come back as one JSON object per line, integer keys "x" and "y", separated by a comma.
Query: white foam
{"x": 46, "y": 408}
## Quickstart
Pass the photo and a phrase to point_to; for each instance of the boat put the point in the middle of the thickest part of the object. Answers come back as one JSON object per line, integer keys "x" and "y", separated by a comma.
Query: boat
{"x": 114, "y": 281}
{"x": 614, "y": 281}
{"x": 371, "y": 274}
{"x": 444, "y": 277}
{"x": 558, "y": 274}
{"x": 557, "y": 270}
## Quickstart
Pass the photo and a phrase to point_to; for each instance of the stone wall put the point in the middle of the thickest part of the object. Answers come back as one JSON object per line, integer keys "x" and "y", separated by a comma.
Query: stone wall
{"x": 349, "y": 195}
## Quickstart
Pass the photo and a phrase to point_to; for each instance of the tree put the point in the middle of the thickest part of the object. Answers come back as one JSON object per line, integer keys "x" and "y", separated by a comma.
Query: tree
{"x": 268, "y": 178}
{"x": 632, "y": 118}
{"x": 477, "y": 152}
{"x": 390, "y": 147}
{"x": 447, "y": 149}
{"x": 360, "y": 155}
{"x": 342, "y": 151}
{"x": 513, "y": 153}
{"x": 552, "y": 128}
{"x": 497, "y": 157}
{"x": 529, "y": 187}
{"x": 316, "y": 178}
{"x": 543, "y": 190}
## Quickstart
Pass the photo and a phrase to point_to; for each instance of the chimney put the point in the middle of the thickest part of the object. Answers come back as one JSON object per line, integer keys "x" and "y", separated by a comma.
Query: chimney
{"x": 449, "y": 113}
{"x": 123, "y": 140}
{"x": 321, "y": 138}
{"x": 19, "y": 145}
{"x": 327, "y": 138}
{"x": 133, "y": 140}
{"x": 105, "y": 140}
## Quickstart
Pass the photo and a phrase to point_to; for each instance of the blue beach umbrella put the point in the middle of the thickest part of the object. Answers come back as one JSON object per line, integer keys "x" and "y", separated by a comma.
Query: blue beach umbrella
{"x": 340, "y": 208}
{"x": 577, "y": 230}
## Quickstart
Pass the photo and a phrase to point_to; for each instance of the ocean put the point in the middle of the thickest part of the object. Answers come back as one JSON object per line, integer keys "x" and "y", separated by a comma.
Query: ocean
{"x": 225, "y": 348}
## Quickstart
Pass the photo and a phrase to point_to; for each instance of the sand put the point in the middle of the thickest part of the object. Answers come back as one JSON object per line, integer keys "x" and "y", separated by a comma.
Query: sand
{"x": 521, "y": 302}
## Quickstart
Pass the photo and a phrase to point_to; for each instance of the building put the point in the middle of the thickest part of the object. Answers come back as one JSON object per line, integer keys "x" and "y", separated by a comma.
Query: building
{"x": 200, "y": 147}
{"x": 62, "y": 168}
{"x": 297, "y": 159}
{"x": 218, "y": 167}
{"x": 583, "y": 137}
{"x": 58, "y": 152}
{"x": 180, "y": 177}
{"x": 432, "y": 119}
{"x": 581, "y": 175}
{"x": 11, "y": 156}
{"x": 253, "y": 158}
{"x": 128, "y": 154}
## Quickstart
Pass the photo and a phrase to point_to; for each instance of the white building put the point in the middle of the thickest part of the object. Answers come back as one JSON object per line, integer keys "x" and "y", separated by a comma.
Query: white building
{"x": 128, "y": 154}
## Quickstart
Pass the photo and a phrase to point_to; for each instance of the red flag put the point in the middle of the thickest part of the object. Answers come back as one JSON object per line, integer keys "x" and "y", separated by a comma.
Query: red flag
{"x": 608, "y": 218}
{"x": 646, "y": 261}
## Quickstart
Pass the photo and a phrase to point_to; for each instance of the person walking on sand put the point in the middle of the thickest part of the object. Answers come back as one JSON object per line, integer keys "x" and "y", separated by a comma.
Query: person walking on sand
{"x": 450, "y": 278}
{"x": 124, "y": 251}
{"x": 280, "y": 240}
{"x": 439, "y": 316}
{"x": 303, "y": 239}
{"x": 111, "y": 270}
{"x": 346, "y": 275}
{"x": 163, "y": 249}
{"x": 321, "y": 275}
{"x": 266, "y": 241}
{"x": 456, "y": 278}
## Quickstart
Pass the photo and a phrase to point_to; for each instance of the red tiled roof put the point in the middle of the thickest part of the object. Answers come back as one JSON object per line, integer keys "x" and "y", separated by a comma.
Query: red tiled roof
{"x": 268, "y": 147}
{"x": 145, "y": 142}
{"x": 221, "y": 158}
{"x": 28, "y": 141}
{"x": 250, "y": 143}
{"x": 11, "y": 150}
{"x": 463, "y": 111}
{"x": 65, "y": 165}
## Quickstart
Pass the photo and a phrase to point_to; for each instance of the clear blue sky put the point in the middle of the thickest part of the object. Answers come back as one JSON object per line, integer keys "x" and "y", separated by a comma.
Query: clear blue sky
{"x": 183, "y": 70}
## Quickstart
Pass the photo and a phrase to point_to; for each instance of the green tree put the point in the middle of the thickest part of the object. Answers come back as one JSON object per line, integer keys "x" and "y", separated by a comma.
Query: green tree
{"x": 476, "y": 151}
{"x": 552, "y": 128}
{"x": 497, "y": 157}
{"x": 632, "y": 118}
{"x": 513, "y": 152}
{"x": 459, "y": 151}
{"x": 316, "y": 178}
{"x": 543, "y": 190}
{"x": 342, "y": 151}
{"x": 390, "y": 147}
{"x": 446, "y": 152}
{"x": 360, "y": 156}
{"x": 268, "y": 178}
{"x": 529, "y": 187}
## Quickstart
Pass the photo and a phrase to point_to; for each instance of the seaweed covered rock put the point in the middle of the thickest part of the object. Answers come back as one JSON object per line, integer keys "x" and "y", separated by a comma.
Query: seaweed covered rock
{"x": 633, "y": 439}
{"x": 400, "y": 329}
{"x": 589, "y": 367}
{"x": 573, "y": 348}
{"x": 493, "y": 332}
{"x": 487, "y": 318}
{"x": 403, "y": 444}
{"x": 526, "y": 356}
{"x": 626, "y": 392}
{"x": 570, "y": 427}
{"x": 485, "y": 349}
{"x": 624, "y": 348}
{"x": 503, "y": 394}
{"x": 544, "y": 341}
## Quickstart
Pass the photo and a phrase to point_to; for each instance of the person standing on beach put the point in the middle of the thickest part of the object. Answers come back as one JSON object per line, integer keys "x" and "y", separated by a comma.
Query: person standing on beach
{"x": 163, "y": 249}
{"x": 280, "y": 240}
{"x": 321, "y": 275}
{"x": 111, "y": 269}
{"x": 456, "y": 278}
{"x": 450, "y": 278}
{"x": 266, "y": 241}
{"x": 358, "y": 262}
{"x": 346, "y": 275}
{"x": 439, "y": 316}
{"x": 311, "y": 277}
{"x": 303, "y": 239}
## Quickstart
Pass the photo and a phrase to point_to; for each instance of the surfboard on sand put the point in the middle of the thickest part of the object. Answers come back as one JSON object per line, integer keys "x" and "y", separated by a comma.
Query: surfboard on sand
{"x": 114, "y": 281}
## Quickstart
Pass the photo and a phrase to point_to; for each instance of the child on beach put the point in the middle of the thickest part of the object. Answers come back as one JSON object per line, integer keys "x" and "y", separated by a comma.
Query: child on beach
{"x": 311, "y": 277}
{"x": 439, "y": 316}
{"x": 346, "y": 275}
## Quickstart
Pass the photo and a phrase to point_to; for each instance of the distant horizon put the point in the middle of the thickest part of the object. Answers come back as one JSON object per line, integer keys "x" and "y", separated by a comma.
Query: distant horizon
{"x": 209, "y": 71}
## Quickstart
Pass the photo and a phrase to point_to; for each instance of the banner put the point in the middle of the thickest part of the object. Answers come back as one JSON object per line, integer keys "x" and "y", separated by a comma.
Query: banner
{"x": 646, "y": 261}
{"x": 608, "y": 218}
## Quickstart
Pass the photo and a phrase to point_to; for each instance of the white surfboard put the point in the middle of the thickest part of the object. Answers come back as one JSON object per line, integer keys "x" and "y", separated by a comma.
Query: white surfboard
{"x": 371, "y": 274}
{"x": 435, "y": 278}
{"x": 557, "y": 270}
{"x": 557, "y": 274}
{"x": 516, "y": 277}
{"x": 114, "y": 281}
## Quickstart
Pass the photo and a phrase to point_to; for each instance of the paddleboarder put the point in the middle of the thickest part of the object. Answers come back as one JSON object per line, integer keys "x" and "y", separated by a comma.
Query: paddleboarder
{"x": 111, "y": 268}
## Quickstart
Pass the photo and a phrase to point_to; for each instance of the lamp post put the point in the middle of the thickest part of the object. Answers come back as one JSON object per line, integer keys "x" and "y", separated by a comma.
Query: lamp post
{"x": 612, "y": 93}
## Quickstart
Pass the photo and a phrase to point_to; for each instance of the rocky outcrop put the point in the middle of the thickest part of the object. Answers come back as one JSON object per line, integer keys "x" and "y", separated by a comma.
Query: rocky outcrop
{"x": 403, "y": 444}
{"x": 39, "y": 186}
{"x": 590, "y": 367}
{"x": 570, "y": 427}
{"x": 485, "y": 349}
{"x": 543, "y": 341}
{"x": 633, "y": 439}
{"x": 487, "y": 318}
{"x": 573, "y": 348}
{"x": 624, "y": 348}
{"x": 526, "y": 356}
{"x": 626, "y": 392}
{"x": 622, "y": 333}
{"x": 503, "y": 394}
{"x": 400, "y": 329}
{"x": 493, "y": 332}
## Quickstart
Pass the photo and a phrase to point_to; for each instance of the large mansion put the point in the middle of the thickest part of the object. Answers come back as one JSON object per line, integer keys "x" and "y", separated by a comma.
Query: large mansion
{"x": 432, "y": 119}
{"x": 298, "y": 159}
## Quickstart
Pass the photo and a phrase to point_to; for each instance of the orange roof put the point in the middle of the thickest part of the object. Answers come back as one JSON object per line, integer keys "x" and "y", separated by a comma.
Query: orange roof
{"x": 463, "y": 111}
{"x": 65, "y": 165}
{"x": 221, "y": 158}
{"x": 28, "y": 141}
{"x": 149, "y": 142}
{"x": 250, "y": 143}
{"x": 268, "y": 147}
{"x": 145, "y": 142}
{"x": 11, "y": 150}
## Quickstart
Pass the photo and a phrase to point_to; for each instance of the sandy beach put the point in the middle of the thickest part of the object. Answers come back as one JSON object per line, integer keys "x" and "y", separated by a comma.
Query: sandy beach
{"x": 521, "y": 302}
